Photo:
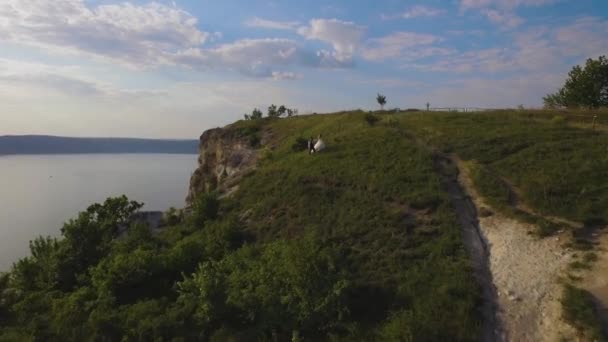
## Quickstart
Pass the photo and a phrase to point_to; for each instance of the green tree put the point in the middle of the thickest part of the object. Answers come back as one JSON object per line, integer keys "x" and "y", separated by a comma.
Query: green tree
{"x": 282, "y": 110}
{"x": 282, "y": 289}
{"x": 381, "y": 101}
{"x": 88, "y": 238}
{"x": 256, "y": 114}
{"x": 206, "y": 207}
{"x": 585, "y": 87}
{"x": 273, "y": 112}
{"x": 291, "y": 112}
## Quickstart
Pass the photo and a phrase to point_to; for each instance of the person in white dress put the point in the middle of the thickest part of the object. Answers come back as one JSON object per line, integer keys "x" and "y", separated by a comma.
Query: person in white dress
{"x": 320, "y": 145}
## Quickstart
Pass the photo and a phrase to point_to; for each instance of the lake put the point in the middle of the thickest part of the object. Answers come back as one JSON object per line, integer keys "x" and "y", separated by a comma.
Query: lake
{"x": 38, "y": 193}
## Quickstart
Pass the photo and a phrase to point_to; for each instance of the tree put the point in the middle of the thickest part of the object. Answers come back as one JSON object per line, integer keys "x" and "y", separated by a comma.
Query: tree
{"x": 282, "y": 110}
{"x": 585, "y": 87}
{"x": 381, "y": 101}
{"x": 255, "y": 115}
{"x": 273, "y": 112}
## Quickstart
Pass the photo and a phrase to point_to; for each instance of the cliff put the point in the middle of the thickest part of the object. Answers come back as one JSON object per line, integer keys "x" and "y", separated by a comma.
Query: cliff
{"x": 225, "y": 155}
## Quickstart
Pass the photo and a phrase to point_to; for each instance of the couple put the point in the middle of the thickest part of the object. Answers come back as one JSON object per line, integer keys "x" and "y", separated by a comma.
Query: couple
{"x": 315, "y": 147}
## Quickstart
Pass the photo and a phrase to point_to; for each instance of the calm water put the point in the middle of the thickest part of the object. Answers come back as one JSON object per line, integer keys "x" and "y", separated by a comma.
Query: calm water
{"x": 39, "y": 193}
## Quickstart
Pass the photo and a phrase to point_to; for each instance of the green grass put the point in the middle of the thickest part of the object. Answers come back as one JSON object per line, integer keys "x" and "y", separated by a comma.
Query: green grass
{"x": 355, "y": 194}
{"x": 558, "y": 169}
{"x": 579, "y": 310}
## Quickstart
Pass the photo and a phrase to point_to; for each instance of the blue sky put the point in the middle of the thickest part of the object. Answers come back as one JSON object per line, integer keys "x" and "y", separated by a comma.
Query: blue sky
{"x": 175, "y": 68}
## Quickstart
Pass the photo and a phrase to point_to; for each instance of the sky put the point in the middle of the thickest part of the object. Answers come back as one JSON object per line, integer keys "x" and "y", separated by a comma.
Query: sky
{"x": 172, "y": 69}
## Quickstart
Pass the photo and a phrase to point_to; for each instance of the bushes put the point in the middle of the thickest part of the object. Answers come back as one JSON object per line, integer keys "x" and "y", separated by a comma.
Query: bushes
{"x": 558, "y": 120}
{"x": 205, "y": 207}
{"x": 579, "y": 310}
{"x": 371, "y": 119}
{"x": 282, "y": 288}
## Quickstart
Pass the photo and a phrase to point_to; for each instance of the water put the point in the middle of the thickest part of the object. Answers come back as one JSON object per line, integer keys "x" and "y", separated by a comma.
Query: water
{"x": 39, "y": 193}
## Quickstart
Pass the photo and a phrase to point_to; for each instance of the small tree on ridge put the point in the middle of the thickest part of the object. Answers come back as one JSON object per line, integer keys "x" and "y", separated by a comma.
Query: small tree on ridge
{"x": 381, "y": 101}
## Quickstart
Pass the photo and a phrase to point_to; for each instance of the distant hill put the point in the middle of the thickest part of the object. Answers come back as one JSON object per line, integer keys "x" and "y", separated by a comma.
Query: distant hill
{"x": 42, "y": 144}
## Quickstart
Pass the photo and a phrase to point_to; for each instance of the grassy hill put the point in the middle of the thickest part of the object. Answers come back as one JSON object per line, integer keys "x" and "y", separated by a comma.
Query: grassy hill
{"x": 358, "y": 242}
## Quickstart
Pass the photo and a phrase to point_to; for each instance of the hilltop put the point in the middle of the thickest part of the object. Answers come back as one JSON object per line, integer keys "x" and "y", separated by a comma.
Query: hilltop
{"x": 408, "y": 226}
{"x": 43, "y": 144}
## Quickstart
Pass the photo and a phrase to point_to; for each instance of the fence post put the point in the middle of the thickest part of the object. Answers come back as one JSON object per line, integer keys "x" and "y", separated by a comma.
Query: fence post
{"x": 594, "y": 120}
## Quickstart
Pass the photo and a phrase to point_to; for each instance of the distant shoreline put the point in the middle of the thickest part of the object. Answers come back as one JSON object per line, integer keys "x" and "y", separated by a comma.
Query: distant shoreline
{"x": 53, "y": 145}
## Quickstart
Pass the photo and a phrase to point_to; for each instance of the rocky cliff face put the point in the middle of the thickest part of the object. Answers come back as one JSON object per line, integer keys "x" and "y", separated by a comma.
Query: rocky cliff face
{"x": 225, "y": 155}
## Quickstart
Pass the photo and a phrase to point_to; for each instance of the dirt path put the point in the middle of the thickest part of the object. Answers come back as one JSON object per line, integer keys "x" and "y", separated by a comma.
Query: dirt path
{"x": 526, "y": 272}
{"x": 475, "y": 245}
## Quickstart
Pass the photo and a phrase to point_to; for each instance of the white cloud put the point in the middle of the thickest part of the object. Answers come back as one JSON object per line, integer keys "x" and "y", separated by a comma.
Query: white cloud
{"x": 414, "y": 12}
{"x": 585, "y": 37}
{"x": 401, "y": 44}
{"x": 533, "y": 50}
{"x": 22, "y": 77}
{"x": 269, "y": 24}
{"x": 504, "y": 4}
{"x": 503, "y": 19}
{"x": 152, "y": 35}
{"x": 394, "y": 83}
{"x": 134, "y": 35}
{"x": 258, "y": 57}
{"x": 284, "y": 75}
{"x": 344, "y": 36}
{"x": 501, "y": 12}
{"x": 525, "y": 89}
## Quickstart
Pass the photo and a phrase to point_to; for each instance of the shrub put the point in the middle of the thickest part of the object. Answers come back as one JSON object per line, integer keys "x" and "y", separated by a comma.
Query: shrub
{"x": 299, "y": 145}
{"x": 558, "y": 120}
{"x": 579, "y": 310}
{"x": 371, "y": 119}
{"x": 205, "y": 207}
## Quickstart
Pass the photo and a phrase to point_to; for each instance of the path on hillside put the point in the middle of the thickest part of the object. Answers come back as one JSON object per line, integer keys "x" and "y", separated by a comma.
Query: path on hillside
{"x": 519, "y": 273}
{"x": 525, "y": 271}
{"x": 476, "y": 246}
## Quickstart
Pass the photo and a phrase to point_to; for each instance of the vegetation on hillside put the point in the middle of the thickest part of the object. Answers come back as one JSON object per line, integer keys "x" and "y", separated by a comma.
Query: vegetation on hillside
{"x": 579, "y": 310}
{"x": 356, "y": 243}
{"x": 273, "y": 112}
{"x": 554, "y": 168}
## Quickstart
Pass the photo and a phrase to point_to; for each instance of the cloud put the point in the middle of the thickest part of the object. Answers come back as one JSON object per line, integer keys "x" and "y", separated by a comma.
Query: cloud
{"x": 548, "y": 49}
{"x": 278, "y": 75}
{"x": 501, "y": 12}
{"x": 508, "y": 92}
{"x": 503, "y": 19}
{"x": 394, "y": 83}
{"x": 503, "y": 4}
{"x": 269, "y": 24}
{"x": 344, "y": 36}
{"x": 23, "y": 77}
{"x": 134, "y": 35}
{"x": 400, "y": 44}
{"x": 263, "y": 58}
{"x": 153, "y": 35}
{"x": 585, "y": 37}
{"x": 415, "y": 12}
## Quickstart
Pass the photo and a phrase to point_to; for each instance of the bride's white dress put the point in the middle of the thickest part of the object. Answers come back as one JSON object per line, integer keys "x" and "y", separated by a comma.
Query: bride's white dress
{"x": 320, "y": 145}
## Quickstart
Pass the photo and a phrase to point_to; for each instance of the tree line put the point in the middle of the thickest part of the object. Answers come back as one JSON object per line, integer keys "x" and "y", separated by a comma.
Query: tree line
{"x": 273, "y": 112}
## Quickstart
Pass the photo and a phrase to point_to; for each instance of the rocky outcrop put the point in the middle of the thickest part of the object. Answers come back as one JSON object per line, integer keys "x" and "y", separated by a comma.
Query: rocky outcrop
{"x": 225, "y": 155}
